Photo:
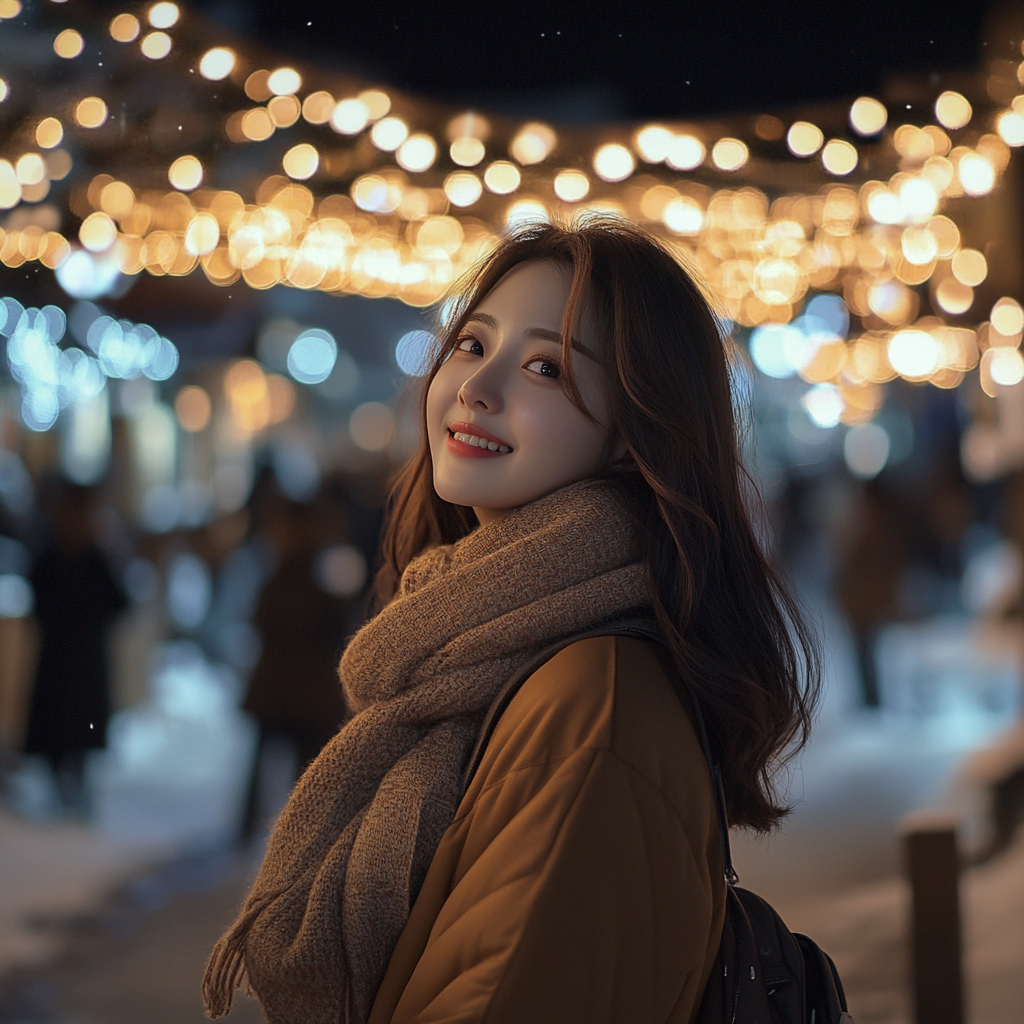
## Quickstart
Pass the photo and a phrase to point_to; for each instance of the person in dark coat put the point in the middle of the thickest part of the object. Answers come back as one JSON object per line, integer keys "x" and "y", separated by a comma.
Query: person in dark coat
{"x": 77, "y": 600}
{"x": 294, "y": 693}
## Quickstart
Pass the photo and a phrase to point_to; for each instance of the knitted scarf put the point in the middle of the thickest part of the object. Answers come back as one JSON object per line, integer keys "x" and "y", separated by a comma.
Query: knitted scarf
{"x": 353, "y": 844}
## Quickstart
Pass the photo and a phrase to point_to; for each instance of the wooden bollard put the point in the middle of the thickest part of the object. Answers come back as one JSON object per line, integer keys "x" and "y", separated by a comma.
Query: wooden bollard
{"x": 936, "y": 963}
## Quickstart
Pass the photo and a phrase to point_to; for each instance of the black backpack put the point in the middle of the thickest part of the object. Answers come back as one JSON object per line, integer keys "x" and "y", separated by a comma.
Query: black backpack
{"x": 764, "y": 973}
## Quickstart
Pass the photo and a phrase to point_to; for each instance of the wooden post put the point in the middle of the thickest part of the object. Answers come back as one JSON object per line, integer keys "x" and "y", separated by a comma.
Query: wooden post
{"x": 933, "y": 869}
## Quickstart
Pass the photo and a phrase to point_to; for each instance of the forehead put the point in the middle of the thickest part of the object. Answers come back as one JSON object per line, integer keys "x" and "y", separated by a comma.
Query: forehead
{"x": 531, "y": 294}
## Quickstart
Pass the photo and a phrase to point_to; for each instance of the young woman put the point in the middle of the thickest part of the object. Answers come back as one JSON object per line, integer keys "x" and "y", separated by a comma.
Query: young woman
{"x": 579, "y": 464}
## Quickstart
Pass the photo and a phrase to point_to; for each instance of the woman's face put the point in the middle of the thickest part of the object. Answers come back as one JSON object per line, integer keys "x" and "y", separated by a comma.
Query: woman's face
{"x": 502, "y": 431}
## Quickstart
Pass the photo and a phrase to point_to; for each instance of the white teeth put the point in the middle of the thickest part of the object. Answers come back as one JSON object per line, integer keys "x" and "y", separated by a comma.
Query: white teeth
{"x": 481, "y": 442}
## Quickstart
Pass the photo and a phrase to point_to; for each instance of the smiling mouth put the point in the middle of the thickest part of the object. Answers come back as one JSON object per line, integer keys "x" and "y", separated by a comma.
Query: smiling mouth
{"x": 478, "y": 442}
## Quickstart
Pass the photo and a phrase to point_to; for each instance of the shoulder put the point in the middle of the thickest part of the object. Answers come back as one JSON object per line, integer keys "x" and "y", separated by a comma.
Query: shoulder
{"x": 608, "y": 693}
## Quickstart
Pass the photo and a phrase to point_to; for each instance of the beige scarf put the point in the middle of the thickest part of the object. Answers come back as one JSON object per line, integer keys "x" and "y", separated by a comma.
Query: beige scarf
{"x": 353, "y": 845}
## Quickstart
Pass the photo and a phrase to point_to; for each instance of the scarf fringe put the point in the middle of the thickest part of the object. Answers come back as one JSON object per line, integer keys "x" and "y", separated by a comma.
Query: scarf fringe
{"x": 226, "y": 966}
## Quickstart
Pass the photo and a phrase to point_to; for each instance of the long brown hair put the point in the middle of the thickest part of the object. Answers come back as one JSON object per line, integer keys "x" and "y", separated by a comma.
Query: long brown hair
{"x": 732, "y": 627}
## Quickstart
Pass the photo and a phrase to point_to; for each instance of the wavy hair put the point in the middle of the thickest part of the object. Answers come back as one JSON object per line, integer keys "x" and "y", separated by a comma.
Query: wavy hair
{"x": 731, "y": 624}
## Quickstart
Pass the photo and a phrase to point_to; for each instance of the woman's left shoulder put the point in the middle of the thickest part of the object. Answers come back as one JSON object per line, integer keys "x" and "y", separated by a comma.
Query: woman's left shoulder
{"x": 614, "y": 693}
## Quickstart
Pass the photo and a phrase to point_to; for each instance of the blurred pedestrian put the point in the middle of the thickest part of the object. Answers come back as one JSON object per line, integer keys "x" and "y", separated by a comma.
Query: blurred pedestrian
{"x": 76, "y": 599}
{"x": 294, "y": 692}
{"x": 868, "y": 579}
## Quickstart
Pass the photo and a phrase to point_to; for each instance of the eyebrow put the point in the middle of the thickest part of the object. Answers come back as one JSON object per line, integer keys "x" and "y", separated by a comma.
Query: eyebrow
{"x": 540, "y": 333}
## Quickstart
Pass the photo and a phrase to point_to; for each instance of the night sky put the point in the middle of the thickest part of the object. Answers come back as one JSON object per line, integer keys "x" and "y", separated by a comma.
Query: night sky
{"x": 629, "y": 60}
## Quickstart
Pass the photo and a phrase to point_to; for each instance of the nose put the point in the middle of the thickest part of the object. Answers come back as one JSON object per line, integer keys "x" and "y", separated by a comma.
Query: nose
{"x": 482, "y": 391}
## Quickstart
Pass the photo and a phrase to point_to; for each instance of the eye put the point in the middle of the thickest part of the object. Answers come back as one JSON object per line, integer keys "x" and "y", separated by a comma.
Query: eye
{"x": 544, "y": 368}
{"x": 470, "y": 344}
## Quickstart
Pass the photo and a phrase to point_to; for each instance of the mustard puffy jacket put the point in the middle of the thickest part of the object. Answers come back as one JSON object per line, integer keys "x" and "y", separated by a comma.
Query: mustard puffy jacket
{"x": 581, "y": 880}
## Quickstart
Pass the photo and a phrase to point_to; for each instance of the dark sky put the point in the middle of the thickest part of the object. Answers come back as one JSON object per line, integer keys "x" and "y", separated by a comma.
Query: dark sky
{"x": 634, "y": 60}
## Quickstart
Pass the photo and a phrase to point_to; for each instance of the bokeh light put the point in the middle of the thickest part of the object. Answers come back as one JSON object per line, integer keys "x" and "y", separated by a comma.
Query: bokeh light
{"x": 952, "y": 110}
{"x": 68, "y": 44}
{"x": 301, "y": 161}
{"x": 953, "y": 296}
{"x": 866, "y": 450}
{"x": 467, "y": 151}
{"x": 257, "y": 124}
{"x": 217, "y": 64}
{"x": 977, "y": 175}
{"x": 91, "y": 112}
{"x": 613, "y": 162}
{"x": 193, "y": 407}
{"x": 378, "y": 103}
{"x": 186, "y": 173}
{"x": 571, "y": 186}
{"x": 533, "y": 143}
{"x": 284, "y": 82}
{"x": 502, "y": 177}
{"x": 729, "y": 154}
{"x": 49, "y": 133}
{"x": 350, "y": 116}
{"x": 414, "y": 352}
{"x": 868, "y": 116}
{"x": 156, "y": 45}
{"x": 371, "y": 426}
{"x": 653, "y": 142}
{"x": 913, "y": 353}
{"x": 1004, "y": 365}
{"x": 463, "y": 188}
{"x": 685, "y": 152}
{"x": 1010, "y": 126}
{"x": 202, "y": 234}
{"x": 124, "y": 28}
{"x": 683, "y": 215}
{"x": 969, "y": 267}
{"x": 804, "y": 138}
{"x": 417, "y": 153}
{"x": 824, "y": 405}
{"x": 30, "y": 169}
{"x": 163, "y": 15}
{"x": 284, "y": 111}
{"x": 312, "y": 356}
{"x": 839, "y": 157}
{"x": 1007, "y": 316}
{"x": 317, "y": 107}
{"x": 97, "y": 232}
{"x": 389, "y": 133}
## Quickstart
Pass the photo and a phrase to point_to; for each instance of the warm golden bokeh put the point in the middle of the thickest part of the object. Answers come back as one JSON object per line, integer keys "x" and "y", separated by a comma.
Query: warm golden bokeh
{"x": 49, "y": 133}
{"x": 193, "y": 407}
{"x": 613, "y": 162}
{"x": 868, "y": 116}
{"x": 502, "y": 177}
{"x": 217, "y": 64}
{"x": 155, "y": 45}
{"x": 124, "y": 28}
{"x": 186, "y": 173}
{"x": 533, "y": 143}
{"x": 68, "y": 44}
{"x": 91, "y": 112}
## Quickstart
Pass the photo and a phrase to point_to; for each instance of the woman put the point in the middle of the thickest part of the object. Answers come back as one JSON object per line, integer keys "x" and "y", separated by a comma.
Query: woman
{"x": 579, "y": 464}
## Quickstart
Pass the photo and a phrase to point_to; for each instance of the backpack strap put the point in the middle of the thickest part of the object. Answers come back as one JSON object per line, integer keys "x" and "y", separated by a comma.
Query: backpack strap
{"x": 644, "y": 629}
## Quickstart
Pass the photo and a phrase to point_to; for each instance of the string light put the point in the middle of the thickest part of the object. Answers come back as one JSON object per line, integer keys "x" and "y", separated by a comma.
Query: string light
{"x": 952, "y": 110}
{"x": 163, "y": 15}
{"x": 91, "y": 112}
{"x": 156, "y": 45}
{"x": 217, "y": 64}
{"x": 729, "y": 154}
{"x": 502, "y": 177}
{"x": 868, "y": 116}
{"x": 124, "y": 28}
{"x": 49, "y": 133}
{"x": 68, "y": 44}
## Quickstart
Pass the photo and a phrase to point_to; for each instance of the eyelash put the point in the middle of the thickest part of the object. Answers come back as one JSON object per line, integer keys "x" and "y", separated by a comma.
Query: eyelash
{"x": 543, "y": 360}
